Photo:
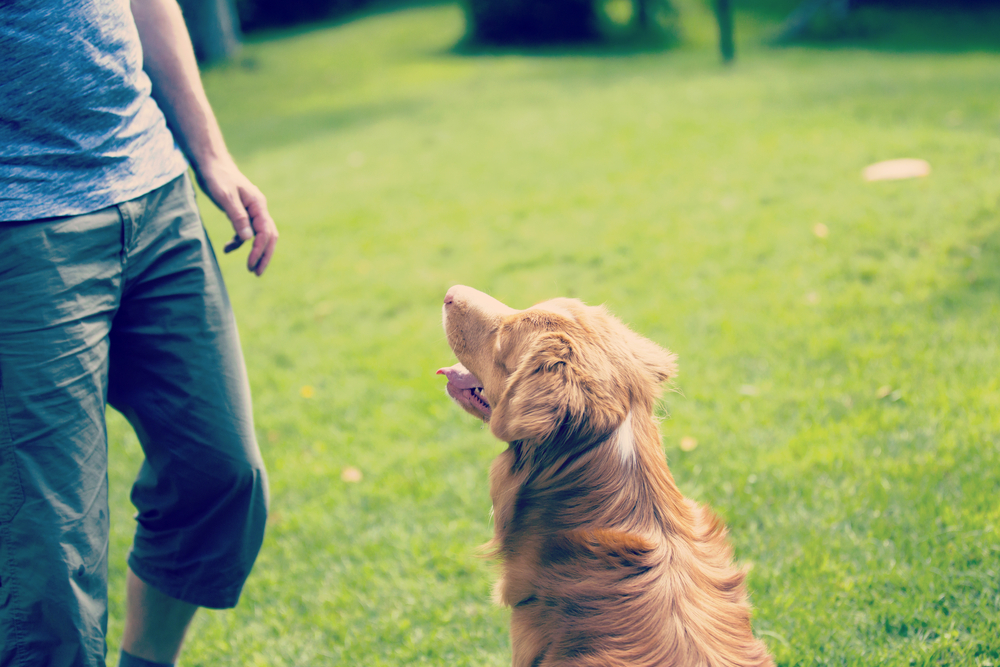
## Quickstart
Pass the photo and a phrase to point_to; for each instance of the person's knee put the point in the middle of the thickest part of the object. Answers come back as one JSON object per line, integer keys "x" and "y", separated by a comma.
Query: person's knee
{"x": 237, "y": 495}
{"x": 243, "y": 485}
{"x": 201, "y": 526}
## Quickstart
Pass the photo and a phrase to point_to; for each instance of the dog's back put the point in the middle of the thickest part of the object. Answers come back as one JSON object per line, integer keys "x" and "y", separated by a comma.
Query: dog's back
{"x": 606, "y": 564}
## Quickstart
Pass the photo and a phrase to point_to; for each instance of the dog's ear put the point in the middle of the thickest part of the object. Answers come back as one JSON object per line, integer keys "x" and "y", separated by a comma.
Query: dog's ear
{"x": 656, "y": 363}
{"x": 552, "y": 393}
{"x": 655, "y": 359}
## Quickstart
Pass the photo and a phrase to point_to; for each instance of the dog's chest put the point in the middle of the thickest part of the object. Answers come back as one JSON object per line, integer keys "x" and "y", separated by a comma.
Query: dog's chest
{"x": 505, "y": 483}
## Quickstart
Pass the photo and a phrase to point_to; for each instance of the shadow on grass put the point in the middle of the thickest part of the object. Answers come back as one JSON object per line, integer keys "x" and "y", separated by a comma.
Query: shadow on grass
{"x": 569, "y": 49}
{"x": 898, "y": 30}
{"x": 882, "y": 29}
{"x": 913, "y": 29}
{"x": 272, "y": 132}
{"x": 373, "y": 9}
{"x": 977, "y": 288}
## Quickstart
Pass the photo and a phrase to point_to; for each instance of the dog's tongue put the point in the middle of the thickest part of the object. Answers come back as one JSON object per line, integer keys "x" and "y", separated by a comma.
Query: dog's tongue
{"x": 466, "y": 388}
{"x": 460, "y": 377}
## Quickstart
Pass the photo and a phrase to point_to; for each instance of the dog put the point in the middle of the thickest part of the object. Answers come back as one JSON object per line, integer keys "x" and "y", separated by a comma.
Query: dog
{"x": 603, "y": 562}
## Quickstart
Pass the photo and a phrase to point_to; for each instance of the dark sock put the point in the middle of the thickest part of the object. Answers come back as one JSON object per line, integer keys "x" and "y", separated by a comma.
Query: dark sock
{"x": 129, "y": 660}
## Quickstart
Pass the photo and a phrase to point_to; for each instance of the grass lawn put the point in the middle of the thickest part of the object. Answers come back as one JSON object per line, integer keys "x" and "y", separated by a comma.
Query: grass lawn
{"x": 839, "y": 340}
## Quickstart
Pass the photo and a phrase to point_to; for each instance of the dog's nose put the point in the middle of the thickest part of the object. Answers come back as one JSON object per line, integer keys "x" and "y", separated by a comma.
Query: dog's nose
{"x": 449, "y": 297}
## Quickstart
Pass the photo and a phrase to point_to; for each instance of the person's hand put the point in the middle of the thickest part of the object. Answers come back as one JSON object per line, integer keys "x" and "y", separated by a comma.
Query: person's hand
{"x": 246, "y": 208}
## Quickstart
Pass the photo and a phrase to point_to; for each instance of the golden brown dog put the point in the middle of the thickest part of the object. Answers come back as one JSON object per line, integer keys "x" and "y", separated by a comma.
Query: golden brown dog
{"x": 604, "y": 562}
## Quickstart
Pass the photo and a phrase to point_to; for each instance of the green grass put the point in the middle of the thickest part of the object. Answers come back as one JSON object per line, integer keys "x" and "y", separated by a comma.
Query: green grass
{"x": 843, "y": 391}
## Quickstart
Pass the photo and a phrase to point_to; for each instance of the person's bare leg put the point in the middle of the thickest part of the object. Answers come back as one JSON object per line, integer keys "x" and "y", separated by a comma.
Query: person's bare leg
{"x": 155, "y": 623}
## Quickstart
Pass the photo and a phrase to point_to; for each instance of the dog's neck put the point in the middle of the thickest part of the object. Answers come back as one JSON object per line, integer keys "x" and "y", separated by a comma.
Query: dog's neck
{"x": 619, "y": 482}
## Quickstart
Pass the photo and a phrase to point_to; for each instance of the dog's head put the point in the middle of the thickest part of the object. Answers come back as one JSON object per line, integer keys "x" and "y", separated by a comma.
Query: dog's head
{"x": 559, "y": 369}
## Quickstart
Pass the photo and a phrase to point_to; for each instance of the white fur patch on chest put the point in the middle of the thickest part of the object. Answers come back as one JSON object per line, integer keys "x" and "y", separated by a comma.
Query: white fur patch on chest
{"x": 624, "y": 438}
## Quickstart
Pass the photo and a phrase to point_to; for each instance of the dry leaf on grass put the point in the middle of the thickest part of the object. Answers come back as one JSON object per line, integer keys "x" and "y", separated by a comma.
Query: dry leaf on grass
{"x": 894, "y": 170}
{"x": 351, "y": 474}
{"x": 688, "y": 443}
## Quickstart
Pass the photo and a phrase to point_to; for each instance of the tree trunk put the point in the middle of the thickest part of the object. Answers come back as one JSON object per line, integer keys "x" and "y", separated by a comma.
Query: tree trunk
{"x": 214, "y": 28}
{"x": 724, "y": 14}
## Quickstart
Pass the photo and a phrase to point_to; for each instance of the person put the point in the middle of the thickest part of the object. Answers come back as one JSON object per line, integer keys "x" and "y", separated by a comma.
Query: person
{"x": 110, "y": 293}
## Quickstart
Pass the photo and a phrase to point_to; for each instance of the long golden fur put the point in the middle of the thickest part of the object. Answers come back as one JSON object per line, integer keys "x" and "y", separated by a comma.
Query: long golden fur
{"x": 604, "y": 562}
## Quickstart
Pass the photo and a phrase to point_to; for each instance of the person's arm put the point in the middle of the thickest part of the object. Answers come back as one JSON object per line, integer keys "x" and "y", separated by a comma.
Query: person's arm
{"x": 168, "y": 59}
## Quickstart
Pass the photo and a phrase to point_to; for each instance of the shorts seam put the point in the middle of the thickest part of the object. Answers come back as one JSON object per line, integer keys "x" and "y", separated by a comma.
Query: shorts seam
{"x": 18, "y": 623}
{"x": 7, "y": 454}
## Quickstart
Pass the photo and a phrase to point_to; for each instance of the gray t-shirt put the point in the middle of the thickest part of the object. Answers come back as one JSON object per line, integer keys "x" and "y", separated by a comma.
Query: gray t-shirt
{"x": 78, "y": 128}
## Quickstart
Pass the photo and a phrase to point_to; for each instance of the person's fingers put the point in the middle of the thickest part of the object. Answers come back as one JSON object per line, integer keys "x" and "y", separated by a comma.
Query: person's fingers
{"x": 266, "y": 232}
{"x": 233, "y": 244}
{"x": 226, "y": 195}
{"x": 246, "y": 208}
{"x": 263, "y": 249}
{"x": 237, "y": 214}
{"x": 265, "y": 258}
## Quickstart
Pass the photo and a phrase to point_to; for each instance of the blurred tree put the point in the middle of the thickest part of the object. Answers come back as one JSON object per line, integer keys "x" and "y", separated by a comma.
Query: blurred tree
{"x": 256, "y": 14}
{"x": 531, "y": 21}
{"x": 548, "y": 21}
{"x": 724, "y": 15}
{"x": 214, "y": 29}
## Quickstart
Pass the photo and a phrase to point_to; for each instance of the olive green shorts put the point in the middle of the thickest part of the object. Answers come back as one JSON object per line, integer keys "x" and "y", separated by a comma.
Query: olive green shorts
{"x": 124, "y": 306}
